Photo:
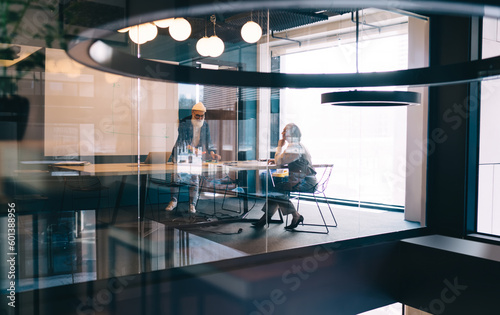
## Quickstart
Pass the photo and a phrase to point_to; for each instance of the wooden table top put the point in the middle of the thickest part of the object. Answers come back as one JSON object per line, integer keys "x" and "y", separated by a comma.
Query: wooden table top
{"x": 110, "y": 169}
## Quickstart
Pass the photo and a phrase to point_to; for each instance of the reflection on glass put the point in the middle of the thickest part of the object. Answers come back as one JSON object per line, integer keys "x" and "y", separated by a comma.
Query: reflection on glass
{"x": 95, "y": 159}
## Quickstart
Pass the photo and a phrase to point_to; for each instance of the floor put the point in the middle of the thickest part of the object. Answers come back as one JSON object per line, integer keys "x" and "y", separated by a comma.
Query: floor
{"x": 351, "y": 223}
{"x": 58, "y": 251}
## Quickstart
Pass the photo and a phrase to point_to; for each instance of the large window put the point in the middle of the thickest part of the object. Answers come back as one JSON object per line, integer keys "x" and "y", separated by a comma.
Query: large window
{"x": 367, "y": 145}
{"x": 488, "y": 218}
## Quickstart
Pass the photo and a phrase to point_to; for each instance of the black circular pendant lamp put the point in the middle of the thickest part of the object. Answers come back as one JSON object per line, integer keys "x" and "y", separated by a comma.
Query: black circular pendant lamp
{"x": 369, "y": 98}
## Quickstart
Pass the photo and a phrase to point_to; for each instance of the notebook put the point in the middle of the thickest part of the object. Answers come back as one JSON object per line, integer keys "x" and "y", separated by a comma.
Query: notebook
{"x": 157, "y": 158}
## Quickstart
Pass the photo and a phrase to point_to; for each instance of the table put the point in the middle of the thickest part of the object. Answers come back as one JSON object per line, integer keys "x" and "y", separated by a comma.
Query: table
{"x": 109, "y": 169}
{"x": 144, "y": 170}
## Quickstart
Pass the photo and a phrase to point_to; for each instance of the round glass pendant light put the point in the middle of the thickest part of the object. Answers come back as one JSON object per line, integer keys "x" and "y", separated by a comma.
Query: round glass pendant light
{"x": 180, "y": 29}
{"x": 251, "y": 32}
{"x": 203, "y": 46}
{"x": 216, "y": 46}
{"x": 142, "y": 33}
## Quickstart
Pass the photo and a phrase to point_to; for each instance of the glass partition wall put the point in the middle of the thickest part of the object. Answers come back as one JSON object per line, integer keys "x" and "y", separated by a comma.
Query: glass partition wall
{"x": 488, "y": 221}
{"x": 90, "y": 160}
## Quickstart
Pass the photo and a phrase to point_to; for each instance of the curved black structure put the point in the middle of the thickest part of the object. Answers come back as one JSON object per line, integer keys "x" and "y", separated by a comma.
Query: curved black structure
{"x": 371, "y": 98}
{"x": 90, "y": 49}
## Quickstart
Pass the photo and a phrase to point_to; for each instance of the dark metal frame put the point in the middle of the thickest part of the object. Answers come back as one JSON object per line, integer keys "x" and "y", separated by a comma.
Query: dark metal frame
{"x": 319, "y": 189}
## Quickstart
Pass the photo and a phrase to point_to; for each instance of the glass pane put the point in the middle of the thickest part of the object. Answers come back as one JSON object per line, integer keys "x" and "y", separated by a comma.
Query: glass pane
{"x": 110, "y": 175}
{"x": 68, "y": 121}
{"x": 488, "y": 208}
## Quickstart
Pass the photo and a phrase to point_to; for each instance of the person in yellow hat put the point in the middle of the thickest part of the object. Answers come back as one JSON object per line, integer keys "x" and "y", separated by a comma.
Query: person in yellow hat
{"x": 194, "y": 135}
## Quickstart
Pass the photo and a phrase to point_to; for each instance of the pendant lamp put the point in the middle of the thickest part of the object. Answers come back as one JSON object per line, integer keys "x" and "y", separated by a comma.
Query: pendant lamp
{"x": 211, "y": 46}
{"x": 251, "y": 32}
{"x": 180, "y": 29}
{"x": 369, "y": 98}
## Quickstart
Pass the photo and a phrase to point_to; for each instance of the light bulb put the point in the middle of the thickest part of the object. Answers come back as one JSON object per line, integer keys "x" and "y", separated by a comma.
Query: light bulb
{"x": 203, "y": 46}
{"x": 142, "y": 33}
{"x": 251, "y": 32}
{"x": 124, "y": 30}
{"x": 164, "y": 23}
{"x": 180, "y": 29}
{"x": 216, "y": 46}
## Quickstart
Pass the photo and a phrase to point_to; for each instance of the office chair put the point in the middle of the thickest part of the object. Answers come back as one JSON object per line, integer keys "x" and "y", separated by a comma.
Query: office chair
{"x": 28, "y": 199}
{"x": 225, "y": 180}
{"x": 161, "y": 180}
{"x": 83, "y": 187}
{"x": 319, "y": 189}
{"x": 166, "y": 181}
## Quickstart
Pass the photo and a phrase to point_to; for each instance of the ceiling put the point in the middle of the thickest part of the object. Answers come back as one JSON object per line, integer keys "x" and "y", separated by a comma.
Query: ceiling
{"x": 228, "y": 27}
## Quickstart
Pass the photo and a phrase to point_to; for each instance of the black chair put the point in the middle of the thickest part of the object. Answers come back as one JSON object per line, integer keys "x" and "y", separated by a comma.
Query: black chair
{"x": 83, "y": 187}
{"x": 28, "y": 199}
{"x": 319, "y": 189}
{"x": 226, "y": 181}
{"x": 165, "y": 182}
{"x": 160, "y": 180}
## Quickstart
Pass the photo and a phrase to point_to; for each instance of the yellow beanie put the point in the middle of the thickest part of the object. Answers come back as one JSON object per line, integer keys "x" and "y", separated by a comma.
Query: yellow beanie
{"x": 199, "y": 107}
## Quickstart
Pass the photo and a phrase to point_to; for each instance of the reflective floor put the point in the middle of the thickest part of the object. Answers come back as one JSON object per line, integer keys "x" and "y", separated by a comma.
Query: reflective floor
{"x": 67, "y": 247}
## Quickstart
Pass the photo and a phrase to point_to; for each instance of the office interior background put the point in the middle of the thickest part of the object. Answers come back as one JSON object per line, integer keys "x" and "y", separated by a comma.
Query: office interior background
{"x": 415, "y": 214}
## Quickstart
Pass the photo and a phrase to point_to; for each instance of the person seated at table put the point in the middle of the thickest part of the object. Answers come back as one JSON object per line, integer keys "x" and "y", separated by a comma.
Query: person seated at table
{"x": 194, "y": 135}
{"x": 290, "y": 154}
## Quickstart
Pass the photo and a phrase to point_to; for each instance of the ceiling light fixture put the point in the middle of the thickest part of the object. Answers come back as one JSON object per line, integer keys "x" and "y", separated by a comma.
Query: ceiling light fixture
{"x": 124, "y": 30}
{"x": 203, "y": 46}
{"x": 216, "y": 46}
{"x": 211, "y": 46}
{"x": 180, "y": 29}
{"x": 142, "y": 33}
{"x": 251, "y": 32}
{"x": 369, "y": 98}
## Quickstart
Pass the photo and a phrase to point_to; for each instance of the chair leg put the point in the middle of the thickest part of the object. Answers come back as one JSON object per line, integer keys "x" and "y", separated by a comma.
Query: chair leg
{"x": 321, "y": 213}
{"x": 298, "y": 206}
{"x": 224, "y": 200}
{"x": 148, "y": 200}
{"x": 214, "y": 214}
{"x": 325, "y": 225}
{"x": 200, "y": 188}
{"x": 331, "y": 212}
{"x": 98, "y": 201}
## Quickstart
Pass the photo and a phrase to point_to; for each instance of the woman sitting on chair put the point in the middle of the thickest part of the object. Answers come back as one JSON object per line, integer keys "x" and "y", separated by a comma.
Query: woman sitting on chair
{"x": 290, "y": 154}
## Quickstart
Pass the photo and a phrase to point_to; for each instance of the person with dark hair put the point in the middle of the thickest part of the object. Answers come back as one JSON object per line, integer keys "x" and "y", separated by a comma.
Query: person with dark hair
{"x": 194, "y": 137}
{"x": 290, "y": 154}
